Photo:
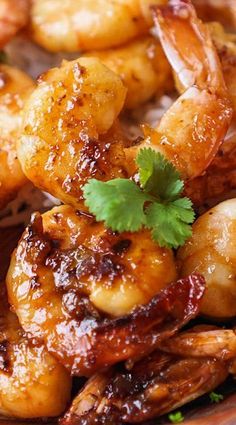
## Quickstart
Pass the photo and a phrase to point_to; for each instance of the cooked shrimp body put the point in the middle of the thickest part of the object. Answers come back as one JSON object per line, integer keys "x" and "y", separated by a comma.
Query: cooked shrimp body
{"x": 225, "y": 44}
{"x": 217, "y": 343}
{"x": 219, "y": 181}
{"x": 69, "y": 129}
{"x": 15, "y": 87}
{"x": 86, "y": 24}
{"x": 193, "y": 128}
{"x": 142, "y": 67}
{"x": 70, "y": 125}
{"x": 211, "y": 252}
{"x": 154, "y": 386}
{"x": 13, "y": 16}
{"x": 32, "y": 383}
{"x": 93, "y": 296}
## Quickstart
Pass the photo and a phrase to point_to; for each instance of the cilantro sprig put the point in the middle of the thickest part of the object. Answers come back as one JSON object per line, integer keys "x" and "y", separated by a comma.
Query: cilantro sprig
{"x": 155, "y": 204}
{"x": 176, "y": 418}
{"x": 215, "y": 397}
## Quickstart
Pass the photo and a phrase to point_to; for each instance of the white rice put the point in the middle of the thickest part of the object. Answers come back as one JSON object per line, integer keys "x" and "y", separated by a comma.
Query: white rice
{"x": 28, "y": 200}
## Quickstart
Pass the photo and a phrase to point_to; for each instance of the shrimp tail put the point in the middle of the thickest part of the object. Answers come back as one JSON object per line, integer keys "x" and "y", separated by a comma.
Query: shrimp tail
{"x": 192, "y": 130}
{"x": 199, "y": 67}
{"x": 154, "y": 386}
{"x": 92, "y": 340}
{"x": 216, "y": 343}
{"x": 142, "y": 330}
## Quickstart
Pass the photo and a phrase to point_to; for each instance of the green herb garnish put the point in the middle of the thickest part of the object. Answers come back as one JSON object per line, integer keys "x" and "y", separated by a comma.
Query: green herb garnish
{"x": 216, "y": 398}
{"x": 156, "y": 204}
{"x": 176, "y": 418}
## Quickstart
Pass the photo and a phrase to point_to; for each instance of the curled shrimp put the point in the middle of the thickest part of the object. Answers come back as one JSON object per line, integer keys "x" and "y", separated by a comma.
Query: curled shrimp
{"x": 211, "y": 252}
{"x": 205, "y": 341}
{"x": 142, "y": 67}
{"x": 32, "y": 383}
{"x": 14, "y": 15}
{"x": 225, "y": 44}
{"x": 15, "y": 87}
{"x": 154, "y": 386}
{"x": 94, "y": 297}
{"x": 192, "y": 130}
{"x": 70, "y": 125}
{"x": 219, "y": 180}
{"x": 86, "y": 24}
{"x": 70, "y": 132}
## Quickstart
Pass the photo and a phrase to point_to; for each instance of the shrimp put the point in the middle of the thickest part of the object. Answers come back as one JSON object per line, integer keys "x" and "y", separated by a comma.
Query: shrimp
{"x": 154, "y": 386}
{"x": 96, "y": 297}
{"x": 70, "y": 133}
{"x": 70, "y": 118}
{"x": 86, "y": 24}
{"x": 14, "y": 15}
{"x": 203, "y": 341}
{"x": 143, "y": 68}
{"x": 32, "y": 383}
{"x": 211, "y": 252}
{"x": 15, "y": 87}
{"x": 225, "y": 44}
{"x": 192, "y": 130}
{"x": 219, "y": 181}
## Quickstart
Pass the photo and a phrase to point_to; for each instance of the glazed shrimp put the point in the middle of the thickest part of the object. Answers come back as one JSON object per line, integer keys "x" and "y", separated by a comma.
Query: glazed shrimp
{"x": 154, "y": 386}
{"x": 142, "y": 67}
{"x": 203, "y": 341}
{"x": 94, "y": 296}
{"x": 70, "y": 132}
{"x": 192, "y": 130}
{"x": 15, "y": 87}
{"x": 32, "y": 383}
{"x": 211, "y": 252}
{"x": 86, "y": 24}
{"x": 225, "y": 44}
{"x": 14, "y": 15}
{"x": 219, "y": 181}
{"x": 69, "y": 136}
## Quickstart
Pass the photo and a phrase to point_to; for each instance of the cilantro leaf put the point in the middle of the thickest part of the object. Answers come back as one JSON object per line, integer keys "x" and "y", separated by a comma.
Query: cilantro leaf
{"x": 158, "y": 176}
{"x": 176, "y": 418}
{"x": 156, "y": 205}
{"x": 119, "y": 203}
{"x": 182, "y": 208}
{"x": 168, "y": 224}
{"x": 216, "y": 398}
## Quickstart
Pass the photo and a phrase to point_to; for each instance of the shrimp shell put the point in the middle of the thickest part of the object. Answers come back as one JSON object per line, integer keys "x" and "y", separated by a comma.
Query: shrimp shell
{"x": 51, "y": 287}
{"x": 216, "y": 343}
{"x": 154, "y": 386}
{"x": 32, "y": 382}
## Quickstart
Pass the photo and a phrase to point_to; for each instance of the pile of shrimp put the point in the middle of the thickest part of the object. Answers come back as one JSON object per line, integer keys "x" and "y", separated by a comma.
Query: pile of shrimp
{"x": 82, "y": 301}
